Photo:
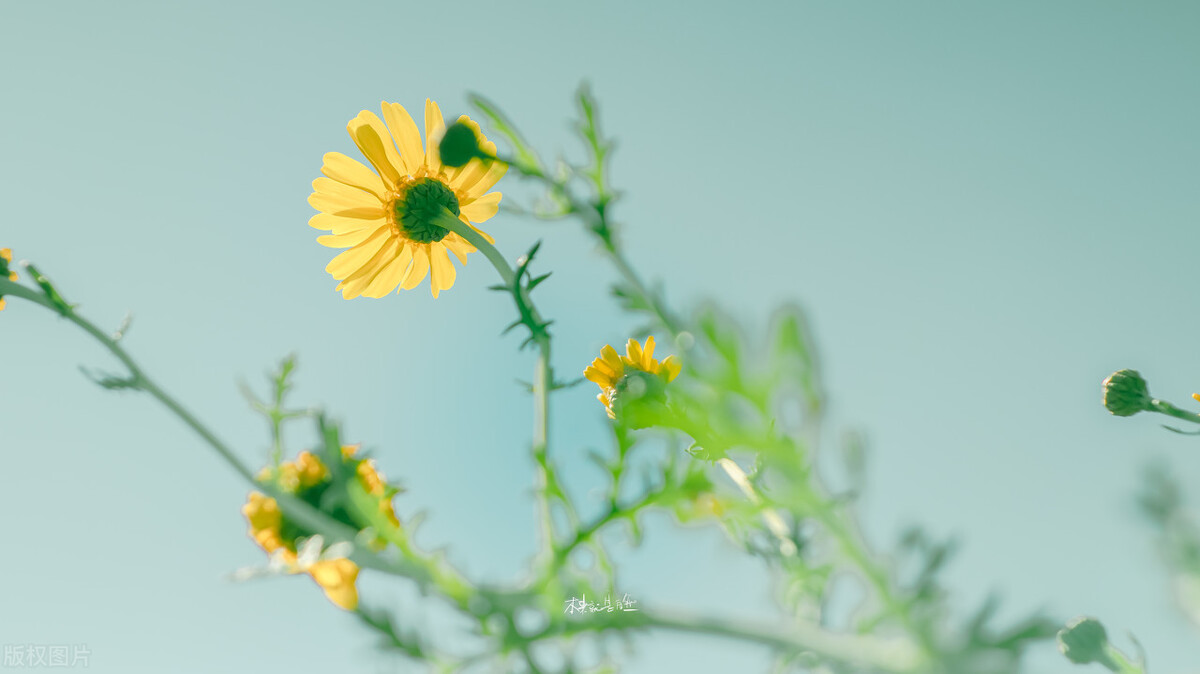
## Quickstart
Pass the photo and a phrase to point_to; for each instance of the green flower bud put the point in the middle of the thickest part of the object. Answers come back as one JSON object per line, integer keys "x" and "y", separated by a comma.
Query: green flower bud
{"x": 1084, "y": 641}
{"x": 1125, "y": 393}
{"x": 460, "y": 145}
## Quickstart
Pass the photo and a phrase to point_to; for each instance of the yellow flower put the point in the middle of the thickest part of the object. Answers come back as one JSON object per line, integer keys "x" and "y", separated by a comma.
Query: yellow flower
{"x": 5, "y": 260}
{"x": 608, "y": 370}
{"x": 307, "y": 478}
{"x": 385, "y": 217}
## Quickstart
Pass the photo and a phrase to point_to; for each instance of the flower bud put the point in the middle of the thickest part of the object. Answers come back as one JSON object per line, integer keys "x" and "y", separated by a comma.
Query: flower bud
{"x": 459, "y": 145}
{"x": 1125, "y": 393}
{"x": 1084, "y": 641}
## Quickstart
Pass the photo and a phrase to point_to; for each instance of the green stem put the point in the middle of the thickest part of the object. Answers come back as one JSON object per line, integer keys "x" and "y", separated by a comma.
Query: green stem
{"x": 867, "y": 651}
{"x": 1164, "y": 407}
{"x": 542, "y": 380}
{"x": 595, "y": 215}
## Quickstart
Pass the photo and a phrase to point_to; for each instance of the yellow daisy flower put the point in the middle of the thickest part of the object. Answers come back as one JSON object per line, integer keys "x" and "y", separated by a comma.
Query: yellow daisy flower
{"x": 308, "y": 478}
{"x": 608, "y": 370}
{"x": 385, "y": 216}
{"x": 5, "y": 260}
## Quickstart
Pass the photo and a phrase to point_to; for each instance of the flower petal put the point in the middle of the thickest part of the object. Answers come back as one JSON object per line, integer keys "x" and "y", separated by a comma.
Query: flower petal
{"x": 349, "y": 261}
{"x": 337, "y": 577}
{"x": 351, "y": 172}
{"x": 648, "y": 354}
{"x": 340, "y": 224}
{"x": 475, "y": 185}
{"x": 373, "y": 140}
{"x": 611, "y": 358}
{"x": 355, "y": 284}
{"x": 671, "y": 366}
{"x": 345, "y": 240}
{"x": 483, "y": 208}
{"x": 434, "y": 127}
{"x": 442, "y": 269}
{"x": 418, "y": 270}
{"x": 633, "y": 354}
{"x": 458, "y": 245}
{"x": 408, "y": 138}
{"x": 389, "y": 277}
{"x": 330, "y": 196}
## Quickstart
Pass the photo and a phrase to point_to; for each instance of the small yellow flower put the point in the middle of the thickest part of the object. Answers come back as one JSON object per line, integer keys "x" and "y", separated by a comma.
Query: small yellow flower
{"x": 385, "y": 216}
{"x": 5, "y": 260}
{"x": 307, "y": 478}
{"x": 609, "y": 369}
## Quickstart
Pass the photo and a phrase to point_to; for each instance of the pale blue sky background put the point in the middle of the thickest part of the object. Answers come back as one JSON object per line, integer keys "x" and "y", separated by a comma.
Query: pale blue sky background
{"x": 986, "y": 207}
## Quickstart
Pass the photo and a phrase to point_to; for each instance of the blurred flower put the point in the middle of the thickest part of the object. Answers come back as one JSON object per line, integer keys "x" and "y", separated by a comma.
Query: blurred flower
{"x": 612, "y": 373}
{"x": 1084, "y": 641}
{"x": 387, "y": 217}
{"x": 5, "y": 260}
{"x": 308, "y": 479}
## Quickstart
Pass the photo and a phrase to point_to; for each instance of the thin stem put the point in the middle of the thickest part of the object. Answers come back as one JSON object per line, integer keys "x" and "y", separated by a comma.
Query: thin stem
{"x": 892, "y": 655}
{"x": 542, "y": 377}
{"x": 1164, "y": 407}
{"x": 595, "y": 216}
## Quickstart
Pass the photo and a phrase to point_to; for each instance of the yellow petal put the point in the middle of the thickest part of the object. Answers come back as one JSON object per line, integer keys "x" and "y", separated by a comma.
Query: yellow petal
{"x": 604, "y": 367}
{"x": 331, "y": 196}
{"x": 671, "y": 366}
{"x": 458, "y": 245}
{"x": 598, "y": 377}
{"x": 408, "y": 138}
{"x": 475, "y": 185}
{"x": 441, "y": 269}
{"x": 633, "y": 354}
{"x": 418, "y": 270}
{"x": 349, "y": 171}
{"x": 434, "y": 127}
{"x": 374, "y": 141}
{"x": 337, "y": 577}
{"x": 387, "y": 279}
{"x": 349, "y": 261}
{"x": 648, "y": 354}
{"x": 340, "y": 224}
{"x": 482, "y": 208}
{"x": 611, "y": 358}
{"x": 345, "y": 240}
{"x": 355, "y": 284}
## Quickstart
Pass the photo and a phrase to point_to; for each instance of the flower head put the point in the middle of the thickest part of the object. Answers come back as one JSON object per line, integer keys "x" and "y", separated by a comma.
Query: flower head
{"x": 617, "y": 375}
{"x": 1125, "y": 393}
{"x": 387, "y": 215}
{"x": 308, "y": 478}
{"x": 5, "y": 272}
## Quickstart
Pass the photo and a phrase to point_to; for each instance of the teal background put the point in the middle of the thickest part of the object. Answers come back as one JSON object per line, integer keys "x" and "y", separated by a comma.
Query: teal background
{"x": 986, "y": 207}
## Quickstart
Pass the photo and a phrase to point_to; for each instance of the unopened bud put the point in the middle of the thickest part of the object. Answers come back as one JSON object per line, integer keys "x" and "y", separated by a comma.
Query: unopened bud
{"x": 459, "y": 145}
{"x": 1125, "y": 393}
{"x": 1084, "y": 641}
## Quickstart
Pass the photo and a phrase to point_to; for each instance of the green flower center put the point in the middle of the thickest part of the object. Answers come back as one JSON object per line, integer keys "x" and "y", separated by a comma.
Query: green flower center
{"x": 418, "y": 207}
